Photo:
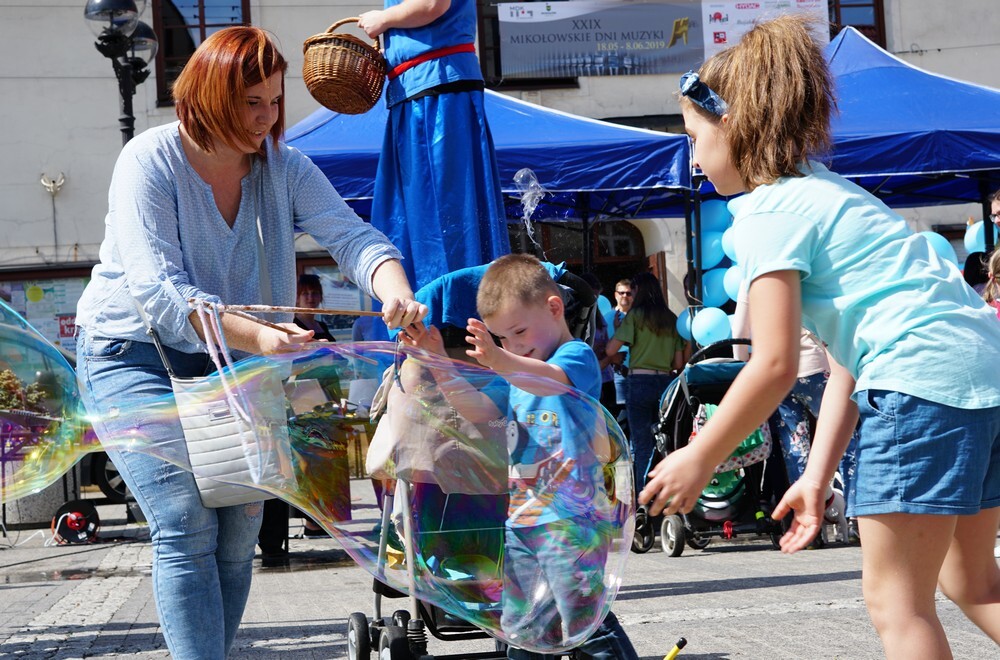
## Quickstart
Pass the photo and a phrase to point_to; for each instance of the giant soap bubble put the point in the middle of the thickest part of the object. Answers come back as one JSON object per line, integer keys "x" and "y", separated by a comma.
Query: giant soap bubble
{"x": 42, "y": 430}
{"x": 467, "y": 480}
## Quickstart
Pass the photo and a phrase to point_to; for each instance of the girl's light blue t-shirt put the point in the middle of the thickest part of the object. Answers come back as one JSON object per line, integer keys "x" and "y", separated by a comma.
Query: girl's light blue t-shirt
{"x": 891, "y": 311}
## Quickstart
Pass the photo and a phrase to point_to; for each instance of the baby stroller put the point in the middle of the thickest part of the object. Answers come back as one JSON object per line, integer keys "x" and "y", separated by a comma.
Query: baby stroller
{"x": 458, "y": 530}
{"x": 731, "y": 505}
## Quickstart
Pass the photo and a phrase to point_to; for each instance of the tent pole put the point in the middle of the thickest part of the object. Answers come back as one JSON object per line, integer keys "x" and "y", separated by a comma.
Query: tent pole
{"x": 695, "y": 238}
{"x": 583, "y": 207}
{"x": 984, "y": 195}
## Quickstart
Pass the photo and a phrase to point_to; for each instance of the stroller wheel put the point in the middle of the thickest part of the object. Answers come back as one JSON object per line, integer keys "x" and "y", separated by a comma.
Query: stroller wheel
{"x": 393, "y": 645}
{"x": 672, "y": 535}
{"x": 358, "y": 641}
{"x": 401, "y": 618}
{"x": 643, "y": 540}
{"x": 698, "y": 542}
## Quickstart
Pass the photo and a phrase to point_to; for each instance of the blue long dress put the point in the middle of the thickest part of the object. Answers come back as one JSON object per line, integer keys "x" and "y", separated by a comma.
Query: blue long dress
{"x": 437, "y": 190}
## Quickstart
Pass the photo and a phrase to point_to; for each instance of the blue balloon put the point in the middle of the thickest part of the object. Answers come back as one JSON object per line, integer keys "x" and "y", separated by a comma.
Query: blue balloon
{"x": 941, "y": 245}
{"x": 732, "y": 281}
{"x": 684, "y": 324}
{"x": 728, "y": 245}
{"x": 604, "y": 306}
{"x": 975, "y": 238}
{"x": 711, "y": 325}
{"x": 711, "y": 249}
{"x": 715, "y": 216}
{"x": 713, "y": 283}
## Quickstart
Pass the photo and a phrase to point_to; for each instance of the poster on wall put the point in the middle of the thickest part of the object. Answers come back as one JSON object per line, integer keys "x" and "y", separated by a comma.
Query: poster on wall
{"x": 339, "y": 293}
{"x": 598, "y": 38}
{"x": 725, "y": 23}
{"x": 49, "y": 305}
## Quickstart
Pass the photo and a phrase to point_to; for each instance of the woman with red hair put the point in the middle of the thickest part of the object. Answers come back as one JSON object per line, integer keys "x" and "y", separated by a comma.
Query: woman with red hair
{"x": 190, "y": 204}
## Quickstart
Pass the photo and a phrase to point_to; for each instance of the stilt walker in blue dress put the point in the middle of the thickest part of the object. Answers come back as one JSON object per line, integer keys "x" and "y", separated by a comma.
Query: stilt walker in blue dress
{"x": 437, "y": 190}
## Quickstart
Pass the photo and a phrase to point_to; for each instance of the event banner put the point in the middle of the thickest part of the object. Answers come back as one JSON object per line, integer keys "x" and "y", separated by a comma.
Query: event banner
{"x": 598, "y": 38}
{"x": 725, "y": 23}
{"x": 620, "y": 37}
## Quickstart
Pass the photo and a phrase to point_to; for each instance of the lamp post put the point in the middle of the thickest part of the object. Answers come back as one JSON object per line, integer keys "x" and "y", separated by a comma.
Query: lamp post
{"x": 129, "y": 43}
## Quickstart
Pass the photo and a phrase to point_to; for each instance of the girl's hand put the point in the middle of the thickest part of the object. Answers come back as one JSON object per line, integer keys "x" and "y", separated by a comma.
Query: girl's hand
{"x": 676, "y": 482}
{"x": 402, "y": 312}
{"x": 484, "y": 349}
{"x": 420, "y": 336}
{"x": 807, "y": 499}
{"x": 373, "y": 22}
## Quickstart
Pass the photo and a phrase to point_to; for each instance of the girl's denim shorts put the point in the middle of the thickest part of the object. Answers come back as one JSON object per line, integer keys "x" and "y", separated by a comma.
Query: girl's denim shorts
{"x": 917, "y": 456}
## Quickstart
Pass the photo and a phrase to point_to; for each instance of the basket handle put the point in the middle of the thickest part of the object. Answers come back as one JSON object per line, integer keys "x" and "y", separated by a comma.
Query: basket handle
{"x": 353, "y": 19}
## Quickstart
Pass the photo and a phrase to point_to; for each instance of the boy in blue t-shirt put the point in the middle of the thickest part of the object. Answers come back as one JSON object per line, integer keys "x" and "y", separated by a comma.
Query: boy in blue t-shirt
{"x": 553, "y": 444}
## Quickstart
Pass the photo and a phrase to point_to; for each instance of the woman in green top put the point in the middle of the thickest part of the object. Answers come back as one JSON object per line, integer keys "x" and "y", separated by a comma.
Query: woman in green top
{"x": 656, "y": 353}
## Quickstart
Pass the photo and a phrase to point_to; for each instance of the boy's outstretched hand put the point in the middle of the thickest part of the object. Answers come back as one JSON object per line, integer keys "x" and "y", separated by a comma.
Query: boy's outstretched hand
{"x": 806, "y": 498}
{"x": 420, "y": 336}
{"x": 484, "y": 349}
{"x": 677, "y": 481}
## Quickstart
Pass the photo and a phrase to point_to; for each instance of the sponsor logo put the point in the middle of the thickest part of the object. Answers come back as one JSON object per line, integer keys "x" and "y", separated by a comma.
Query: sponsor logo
{"x": 719, "y": 37}
{"x": 718, "y": 17}
{"x": 748, "y": 5}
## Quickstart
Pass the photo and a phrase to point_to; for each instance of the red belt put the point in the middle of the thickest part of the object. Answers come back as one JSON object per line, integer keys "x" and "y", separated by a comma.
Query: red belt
{"x": 395, "y": 71}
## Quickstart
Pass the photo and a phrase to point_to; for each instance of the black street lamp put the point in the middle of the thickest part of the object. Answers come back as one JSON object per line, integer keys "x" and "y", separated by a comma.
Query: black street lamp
{"x": 129, "y": 43}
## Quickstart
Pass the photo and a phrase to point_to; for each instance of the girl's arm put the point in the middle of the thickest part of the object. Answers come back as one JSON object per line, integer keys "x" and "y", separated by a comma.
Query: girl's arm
{"x": 613, "y": 347}
{"x": 838, "y": 417}
{"x": 775, "y": 308}
{"x": 407, "y": 14}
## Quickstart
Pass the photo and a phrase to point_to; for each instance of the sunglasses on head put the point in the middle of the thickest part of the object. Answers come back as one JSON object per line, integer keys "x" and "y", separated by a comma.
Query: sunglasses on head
{"x": 701, "y": 94}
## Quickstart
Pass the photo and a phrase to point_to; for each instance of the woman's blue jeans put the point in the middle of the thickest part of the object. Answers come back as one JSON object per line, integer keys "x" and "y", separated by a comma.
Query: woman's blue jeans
{"x": 642, "y": 404}
{"x": 202, "y": 558}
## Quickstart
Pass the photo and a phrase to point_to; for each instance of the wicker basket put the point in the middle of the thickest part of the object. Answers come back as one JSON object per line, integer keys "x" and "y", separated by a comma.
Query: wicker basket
{"x": 342, "y": 72}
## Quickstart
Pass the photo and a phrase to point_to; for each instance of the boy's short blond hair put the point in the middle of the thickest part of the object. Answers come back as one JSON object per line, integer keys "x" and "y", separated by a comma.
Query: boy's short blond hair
{"x": 514, "y": 279}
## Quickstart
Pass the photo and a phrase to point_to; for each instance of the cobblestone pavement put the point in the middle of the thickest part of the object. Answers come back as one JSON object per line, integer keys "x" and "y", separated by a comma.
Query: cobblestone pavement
{"x": 731, "y": 600}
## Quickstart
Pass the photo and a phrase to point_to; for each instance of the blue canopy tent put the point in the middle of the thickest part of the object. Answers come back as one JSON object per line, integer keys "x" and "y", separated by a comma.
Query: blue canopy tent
{"x": 912, "y": 137}
{"x": 591, "y": 170}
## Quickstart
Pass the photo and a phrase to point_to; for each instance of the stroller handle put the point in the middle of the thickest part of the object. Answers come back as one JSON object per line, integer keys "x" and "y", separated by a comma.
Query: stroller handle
{"x": 702, "y": 352}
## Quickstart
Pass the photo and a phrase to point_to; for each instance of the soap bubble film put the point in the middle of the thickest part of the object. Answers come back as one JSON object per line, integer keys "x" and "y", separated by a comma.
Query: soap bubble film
{"x": 459, "y": 530}
{"x": 43, "y": 432}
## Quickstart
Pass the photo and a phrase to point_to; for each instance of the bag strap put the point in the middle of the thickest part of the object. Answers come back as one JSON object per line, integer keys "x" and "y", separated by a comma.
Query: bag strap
{"x": 266, "y": 286}
{"x": 155, "y": 337}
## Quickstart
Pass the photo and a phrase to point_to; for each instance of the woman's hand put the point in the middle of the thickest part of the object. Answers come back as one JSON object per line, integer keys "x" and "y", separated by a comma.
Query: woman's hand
{"x": 676, "y": 482}
{"x": 373, "y": 22}
{"x": 807, "y": 499}
{"x": 420, "y": 336}
{"x": 276, "y": 341}
{"x": 401, "y": 312}
{"x": 399, "y": 308}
